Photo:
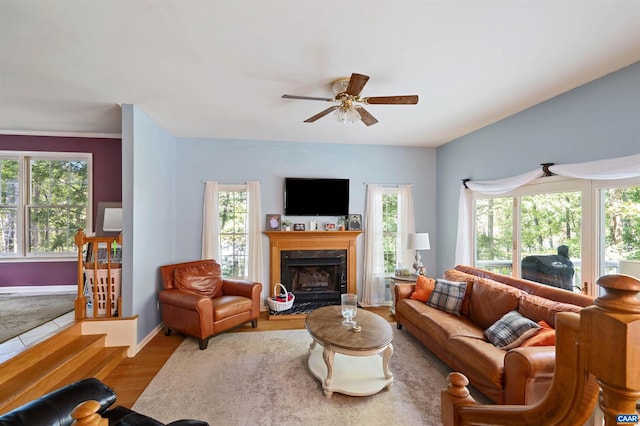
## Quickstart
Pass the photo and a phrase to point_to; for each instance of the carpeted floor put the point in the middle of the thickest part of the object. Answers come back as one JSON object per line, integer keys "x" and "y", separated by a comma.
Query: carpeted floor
{"x": 262, "y": 378}
{"x": 19, "y": 314}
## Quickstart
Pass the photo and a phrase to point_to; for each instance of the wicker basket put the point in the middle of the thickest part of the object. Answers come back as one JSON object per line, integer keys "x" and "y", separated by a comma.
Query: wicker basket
{"x": 276, "y": 305}
{"x": 100, "y": 279}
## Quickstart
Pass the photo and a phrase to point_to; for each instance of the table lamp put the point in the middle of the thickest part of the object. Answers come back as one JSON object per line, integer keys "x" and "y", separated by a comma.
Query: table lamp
{"x": 112, "y": 220}
{"x": 417, "y": 242}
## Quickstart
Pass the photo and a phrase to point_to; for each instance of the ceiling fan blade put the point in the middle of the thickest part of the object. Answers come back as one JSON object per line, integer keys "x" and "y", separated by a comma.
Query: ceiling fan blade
{"x": 309, "y": 98}
{"x": 321, "y": 114}
{"x": 367, "y": 118}
{"x": 356, "y": 83}
{"x": 408, "y": 100}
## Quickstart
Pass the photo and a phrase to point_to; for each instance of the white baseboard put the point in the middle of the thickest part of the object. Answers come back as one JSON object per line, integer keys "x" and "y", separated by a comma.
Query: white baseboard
{"x": 43, "y": 289}
{"x": 148, "y": 338}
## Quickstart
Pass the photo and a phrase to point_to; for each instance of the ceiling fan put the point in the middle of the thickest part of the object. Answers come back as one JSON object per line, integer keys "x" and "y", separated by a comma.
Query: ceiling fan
{"x": 349, "y": 110}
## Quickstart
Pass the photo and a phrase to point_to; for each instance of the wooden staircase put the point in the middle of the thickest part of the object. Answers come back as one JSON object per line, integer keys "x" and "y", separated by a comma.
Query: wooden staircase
{"x": 63, "y": 358}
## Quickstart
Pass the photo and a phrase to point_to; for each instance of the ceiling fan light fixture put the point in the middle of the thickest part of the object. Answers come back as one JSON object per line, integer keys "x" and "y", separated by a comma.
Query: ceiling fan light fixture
{"x": 347, "y": 115}
{"x": 340, "y": 85}
{"x": 349, "y": 107}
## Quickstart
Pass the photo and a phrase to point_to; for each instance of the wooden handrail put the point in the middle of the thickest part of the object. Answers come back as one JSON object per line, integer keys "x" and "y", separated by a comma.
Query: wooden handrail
{"x": 81, "y": 303}
{"x": 596, "y": 349}
{"x": 86, "y": 414}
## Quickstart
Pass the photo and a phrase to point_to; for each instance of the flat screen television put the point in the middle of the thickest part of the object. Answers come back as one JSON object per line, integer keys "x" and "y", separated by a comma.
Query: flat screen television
{"x": 316, "y": 197}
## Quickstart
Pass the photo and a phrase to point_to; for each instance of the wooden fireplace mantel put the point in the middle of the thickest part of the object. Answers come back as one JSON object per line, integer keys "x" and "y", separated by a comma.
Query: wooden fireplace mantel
{"x": 313, "y": 240}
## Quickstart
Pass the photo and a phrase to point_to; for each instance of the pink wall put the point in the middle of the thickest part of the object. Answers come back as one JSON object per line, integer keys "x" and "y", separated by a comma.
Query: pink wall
{"x": 107, "y": 186}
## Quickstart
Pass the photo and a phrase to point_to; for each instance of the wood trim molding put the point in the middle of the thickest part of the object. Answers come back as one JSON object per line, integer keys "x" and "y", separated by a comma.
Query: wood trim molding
{"x": 313, "y": 240}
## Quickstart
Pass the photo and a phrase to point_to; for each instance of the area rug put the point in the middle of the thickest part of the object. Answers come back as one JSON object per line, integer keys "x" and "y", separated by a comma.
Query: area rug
{"x": 262, "y": 378}
{"x": 19, "y": 314}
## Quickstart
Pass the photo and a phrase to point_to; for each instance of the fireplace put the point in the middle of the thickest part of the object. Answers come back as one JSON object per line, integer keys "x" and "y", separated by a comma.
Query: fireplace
{"x": 317, "y": 266}
{"x": 314, "y": 275}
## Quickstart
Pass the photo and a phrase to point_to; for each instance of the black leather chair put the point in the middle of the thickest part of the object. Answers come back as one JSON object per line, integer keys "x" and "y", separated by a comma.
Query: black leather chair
{"x": 54, "y": 409}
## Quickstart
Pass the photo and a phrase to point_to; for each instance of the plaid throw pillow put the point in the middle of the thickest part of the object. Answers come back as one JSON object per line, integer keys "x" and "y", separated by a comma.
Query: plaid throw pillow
{"x": 511, "y": 330}
{"x": 447, "y": 296}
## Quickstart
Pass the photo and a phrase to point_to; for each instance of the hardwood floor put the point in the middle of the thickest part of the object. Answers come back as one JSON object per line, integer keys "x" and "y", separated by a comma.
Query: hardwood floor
{"x": 132, "y": 376}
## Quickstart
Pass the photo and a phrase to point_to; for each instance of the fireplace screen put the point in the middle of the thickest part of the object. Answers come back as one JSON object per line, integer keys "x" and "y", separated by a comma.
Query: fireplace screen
{"x": 314, "y": 275}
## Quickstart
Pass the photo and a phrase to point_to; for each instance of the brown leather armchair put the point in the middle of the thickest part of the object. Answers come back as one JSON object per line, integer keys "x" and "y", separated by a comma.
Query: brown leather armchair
{"x": 197, "y": 301}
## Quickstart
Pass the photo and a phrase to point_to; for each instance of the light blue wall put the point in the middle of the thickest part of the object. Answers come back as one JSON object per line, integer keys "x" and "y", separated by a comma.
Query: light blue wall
{"x": 596, "y": 121}
{"x": 149, "y": 214}
{"x": 270, "y": 162}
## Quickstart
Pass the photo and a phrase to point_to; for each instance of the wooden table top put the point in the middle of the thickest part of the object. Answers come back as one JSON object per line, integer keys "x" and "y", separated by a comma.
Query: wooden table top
{"x": 325, "y": 326}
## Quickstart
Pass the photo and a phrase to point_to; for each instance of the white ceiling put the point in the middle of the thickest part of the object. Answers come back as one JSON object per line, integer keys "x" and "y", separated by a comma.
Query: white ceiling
{"x": 218, "y": 68}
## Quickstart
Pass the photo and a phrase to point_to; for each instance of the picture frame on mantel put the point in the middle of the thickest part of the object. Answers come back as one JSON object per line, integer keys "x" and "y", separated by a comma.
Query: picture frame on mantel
{"x": 299, "y": 227}
{"x": 355, "y": 222}
{"x": 274, "y": 222}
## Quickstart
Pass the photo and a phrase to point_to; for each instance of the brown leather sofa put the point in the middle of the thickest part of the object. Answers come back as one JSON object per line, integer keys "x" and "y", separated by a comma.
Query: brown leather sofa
{"x": 197, "y": 301}
{"x": 521, "y": 375}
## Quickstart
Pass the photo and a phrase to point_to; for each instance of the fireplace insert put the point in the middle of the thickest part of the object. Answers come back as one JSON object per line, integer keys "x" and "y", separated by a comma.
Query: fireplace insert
{"x": 314, "y": 275}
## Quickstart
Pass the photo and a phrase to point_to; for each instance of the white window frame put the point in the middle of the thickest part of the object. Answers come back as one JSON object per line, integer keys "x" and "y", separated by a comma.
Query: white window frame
{"x": 234, "y": 188}
{"x": 396, "y": 193}
{"x": 598, "y": 212}
{"x": 24, "y": 179}
{"x": 554, "y": 184}
{"x": 592, "y": 241}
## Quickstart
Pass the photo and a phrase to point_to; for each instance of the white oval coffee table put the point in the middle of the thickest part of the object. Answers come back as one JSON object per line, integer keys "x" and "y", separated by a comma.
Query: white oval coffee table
{"x": 347, "y": 361}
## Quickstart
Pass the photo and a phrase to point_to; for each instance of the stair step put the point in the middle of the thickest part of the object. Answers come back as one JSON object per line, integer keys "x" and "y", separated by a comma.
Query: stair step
{"x": 37, "y": 353}
{"x": 99, "y": 366}
{"x": 37, "y": 378}
{"x": 53, "y": 365}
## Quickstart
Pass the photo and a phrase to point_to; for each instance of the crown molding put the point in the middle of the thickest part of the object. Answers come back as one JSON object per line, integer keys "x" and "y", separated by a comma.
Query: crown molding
{"x": 61, "y": 134}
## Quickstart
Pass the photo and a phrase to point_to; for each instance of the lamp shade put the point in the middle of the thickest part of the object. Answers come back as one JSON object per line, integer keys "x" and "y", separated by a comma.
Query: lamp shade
{"x": 418, "y": 241}
{"x": 112, "y": 220}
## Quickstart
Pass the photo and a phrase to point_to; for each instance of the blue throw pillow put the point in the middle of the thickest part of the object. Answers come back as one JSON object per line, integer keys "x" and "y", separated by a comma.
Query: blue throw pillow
{"x": 447, "y": 296}
{"x": 511, "y": 330}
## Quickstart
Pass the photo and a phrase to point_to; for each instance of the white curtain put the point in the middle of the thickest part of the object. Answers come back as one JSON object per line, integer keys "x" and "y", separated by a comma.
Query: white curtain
{"x": 210, "y": 221}
{"x": 615, "y": 168}
{"x": 373, "y": 281}
{"x": 254, "y": 211}
{"x": 406, "y": 224}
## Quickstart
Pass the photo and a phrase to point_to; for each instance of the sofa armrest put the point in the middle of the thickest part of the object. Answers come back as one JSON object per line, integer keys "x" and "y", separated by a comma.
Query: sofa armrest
{"x": 184, "y": 300}
{"x": 249, "y": 289}
{"x": 403, "y": 290}
{"x": 528, "y": 373}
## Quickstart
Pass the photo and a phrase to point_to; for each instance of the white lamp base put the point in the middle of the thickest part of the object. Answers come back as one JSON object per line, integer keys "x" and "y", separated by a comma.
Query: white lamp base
{"x": 417, "y": 265}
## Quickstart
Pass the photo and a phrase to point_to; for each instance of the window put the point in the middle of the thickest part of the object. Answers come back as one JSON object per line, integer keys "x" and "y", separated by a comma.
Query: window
{"x": 388, "y": 219}
{"x": 44, "y": 199}
{"x": 550, "y": 239}
{"x": 232, "y": 208}
{"x": 232, "y": 228}
{"x": 494, "y": 234}
{"x": 390, "y": 230}
{"x": 9, "y": 205}
{"x": 565, "y": 232}
{"x": 619, "y": 207}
